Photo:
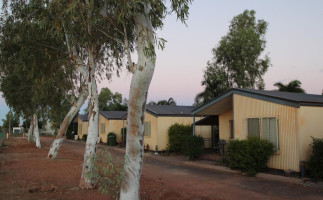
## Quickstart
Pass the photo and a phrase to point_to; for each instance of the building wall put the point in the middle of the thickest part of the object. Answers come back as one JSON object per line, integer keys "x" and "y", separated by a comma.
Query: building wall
{"x": 310, "y": 125}
{"x": 288, "y": 155}
{"x": 163, "y": 124}
{"x": 115, "y": 126}
{"x": 224, "y": 125}
{"x": 103, "y": 133}
{"x": 82, "y": 128}
{"x": 151, "y": 140}
{"x": 112, "y": 125}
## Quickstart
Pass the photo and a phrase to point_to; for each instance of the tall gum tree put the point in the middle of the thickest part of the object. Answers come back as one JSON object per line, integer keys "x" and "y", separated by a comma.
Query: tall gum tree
{"x": 83, "y": 25}
{"x": 148, "y": 16}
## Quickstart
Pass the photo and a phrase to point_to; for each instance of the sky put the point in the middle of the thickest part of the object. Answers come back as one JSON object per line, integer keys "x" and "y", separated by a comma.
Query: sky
{"x": 294, "y": 44}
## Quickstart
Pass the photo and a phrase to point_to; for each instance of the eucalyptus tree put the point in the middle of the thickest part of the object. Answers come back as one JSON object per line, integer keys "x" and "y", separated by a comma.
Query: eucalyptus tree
{"x": 85, "y": 31}
{"x": 33, "y": 74}
{"x": 238, "y": 60}
{"x": 146, "y": 16}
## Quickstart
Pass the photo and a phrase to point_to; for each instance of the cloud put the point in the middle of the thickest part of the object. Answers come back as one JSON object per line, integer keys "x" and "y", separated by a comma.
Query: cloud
{"x": 321, "y": 70}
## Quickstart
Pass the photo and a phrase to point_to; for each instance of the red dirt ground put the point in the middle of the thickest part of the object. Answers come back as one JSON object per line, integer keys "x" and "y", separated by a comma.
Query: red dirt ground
{"x": 26, "y": 173}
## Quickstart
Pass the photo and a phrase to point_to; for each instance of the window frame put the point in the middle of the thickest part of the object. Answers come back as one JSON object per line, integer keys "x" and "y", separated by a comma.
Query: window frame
{"x": 103, "y": 128}
{"x": 147, "y": 123}
{"x": 261, "y": 130}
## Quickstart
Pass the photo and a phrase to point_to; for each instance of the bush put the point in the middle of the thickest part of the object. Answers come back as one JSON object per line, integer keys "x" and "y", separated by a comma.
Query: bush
{"x": 108, "y": 173}
{"x": 176, "y": 134}
{"x": 250, "y": 155}
{"x": 84, "y": 137}
{"x": 192, "y": 146}
{"x": 315, "y": 164}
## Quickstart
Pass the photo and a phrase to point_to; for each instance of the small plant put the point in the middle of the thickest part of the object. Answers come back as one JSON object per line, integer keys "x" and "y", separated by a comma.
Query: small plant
{"x": 176, "y": 134}
{"x": 250, "y": 155}
{"x": 107, "y": 174}
{"x": 192, "y": 146}
{"x": 84, "y": 137}
{"x": 315, "y": 164}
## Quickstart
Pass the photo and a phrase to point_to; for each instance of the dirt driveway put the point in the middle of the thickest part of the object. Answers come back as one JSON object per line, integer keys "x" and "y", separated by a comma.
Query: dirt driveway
{"x": 26, "y": 173}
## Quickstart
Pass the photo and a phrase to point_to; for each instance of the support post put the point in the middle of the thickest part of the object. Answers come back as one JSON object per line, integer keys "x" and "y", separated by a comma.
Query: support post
{"x": 123, "y": 132}
{"x": 193, "y": 124}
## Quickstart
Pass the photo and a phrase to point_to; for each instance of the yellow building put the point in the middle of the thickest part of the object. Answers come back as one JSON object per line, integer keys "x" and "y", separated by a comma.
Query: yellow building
{"x": 83, "y": 123}
{"x": 289, "y": 120}
{"x": 158, "y": 119}
{"x": 111, "y": 121}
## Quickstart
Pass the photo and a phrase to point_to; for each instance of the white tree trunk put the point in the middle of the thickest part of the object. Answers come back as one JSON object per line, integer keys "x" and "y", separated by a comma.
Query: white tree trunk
{"x": 143, "y": 72}
{"x": 54, "y": 148}
{"x": 36, "y": 131}
{"x": 93, "y": 129}
{"x": 30, "y": 132}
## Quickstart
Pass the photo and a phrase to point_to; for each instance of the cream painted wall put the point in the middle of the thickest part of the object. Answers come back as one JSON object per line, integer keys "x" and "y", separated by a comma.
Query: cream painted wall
{"x": 103, "y": 133}
{"x": 112, "y": 125}
{"x": 84, "y": 128}
{"x": 115, "y": 126}
{"x": 246, "y": 107}
{"x": 224, "y": 125}
{"x": 152, "y": 139}
{"x": 310, "y": 125}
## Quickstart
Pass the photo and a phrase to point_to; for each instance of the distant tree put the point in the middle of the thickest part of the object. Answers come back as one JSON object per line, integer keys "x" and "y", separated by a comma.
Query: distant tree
{"x": 237, "y": 61}
{"x": 292, "y": 86}
{"x": 12, "y": 118}
{"x": 170, "y": 101}
{"x": 109, "y": 101}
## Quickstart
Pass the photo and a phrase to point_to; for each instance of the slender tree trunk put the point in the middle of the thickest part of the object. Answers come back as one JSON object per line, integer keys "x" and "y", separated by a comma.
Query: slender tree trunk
{"x": 93, "y": 129}
{"x": 143, "y": 72}
{"x": 36, "y": 131}
{"x": 30, "y": 132}
{"x": 54, "y": 148}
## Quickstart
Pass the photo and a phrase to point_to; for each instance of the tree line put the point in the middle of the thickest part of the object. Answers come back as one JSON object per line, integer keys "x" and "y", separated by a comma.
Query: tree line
{"x": 53, "y": 53}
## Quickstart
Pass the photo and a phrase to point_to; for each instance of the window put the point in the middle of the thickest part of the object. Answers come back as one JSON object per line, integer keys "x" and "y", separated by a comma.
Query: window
{"x": 102, "y": 128}
{"x": 265, "y": 128}
{"x": 147, "y": 129}
{"x": 231, "y": 129}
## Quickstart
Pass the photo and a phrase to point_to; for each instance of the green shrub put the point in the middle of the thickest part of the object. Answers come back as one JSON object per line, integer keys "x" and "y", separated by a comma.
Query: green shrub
{"x": 192, "y": 146}
{"x": 176, "y": 134}
{"x": 315, "y": 164}
{"x": 84, "y": 137}
{"x": 108, "y": 173}
{"x": 250, "y": 155}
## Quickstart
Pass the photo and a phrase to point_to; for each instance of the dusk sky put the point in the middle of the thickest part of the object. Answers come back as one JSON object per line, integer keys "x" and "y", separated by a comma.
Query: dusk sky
{"x": 294, "y": 44}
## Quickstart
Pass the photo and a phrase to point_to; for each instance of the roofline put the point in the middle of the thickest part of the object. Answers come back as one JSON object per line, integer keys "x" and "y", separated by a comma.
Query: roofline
{"x": 113, "y": 118}
{"x": 311, "y": 104}
{"x": 168, "y": 115}
{"x": 202, "y": 107}
{"x": 251, "y": 94}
